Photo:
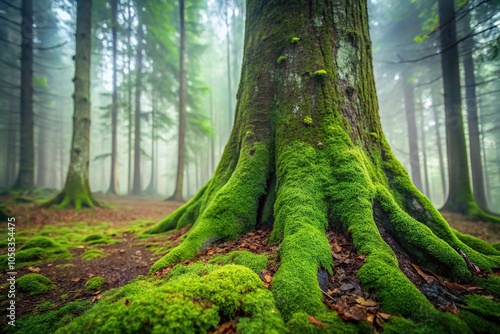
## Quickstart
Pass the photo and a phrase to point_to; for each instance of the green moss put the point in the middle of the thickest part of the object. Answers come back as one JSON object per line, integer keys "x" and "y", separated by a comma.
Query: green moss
{"x": 294, "y": 40}
{"x": 197, "y": 268}
{"x": 477, "y": 244}
{"x": 478, "y": 324}
{"x": 281, "y": 59}
{"x": 308, "y": 120}
{"x": 92, "y": 254}
{"x": 43, "y": 305}
{"x": 491, "y": 284}
{"x": 320, "y": 73}
{"x": 232, "y": 211}
{"x": 185, "y": 304}
{"x": 49, "y": 321}
{"x": 95, "y": 283}
{"x": 97, "y": 239}
{"x": 39, "y": 242}
{"x": 34, "y": 284}
{"x": 300, "y": 323}
{"x": 244, "y": 258}
{"x": 374, "y": 135}
{"x": 496, "y": 245}
{"x": 484, "y": 307}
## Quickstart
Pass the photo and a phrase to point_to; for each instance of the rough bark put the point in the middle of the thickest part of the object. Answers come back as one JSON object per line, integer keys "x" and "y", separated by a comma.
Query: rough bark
{"x": 306, "y": 154}
{"x": 113, "y": 185}
{"x": 26, "y": 174}
{"x": 137, "y": 182}
{"x": 181, "y": 148}
{"x": 76, "y": 191}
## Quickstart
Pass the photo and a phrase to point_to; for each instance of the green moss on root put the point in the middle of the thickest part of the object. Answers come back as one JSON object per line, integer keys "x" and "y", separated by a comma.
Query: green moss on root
{"x": 34, "y": 284}
{"x": 477, "y": 244}
{"x": 185, "y": 304}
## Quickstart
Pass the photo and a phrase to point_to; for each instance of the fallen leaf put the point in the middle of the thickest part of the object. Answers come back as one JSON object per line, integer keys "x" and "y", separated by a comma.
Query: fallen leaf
{"x": 315, "y": 322}
{"x": 364, "y": 302}
{"x": 268, "y": 278}
{"x": 34, "y": 269}
{"x": 429, "y": 279}
{"x": 336, "y": 247}
{"x": 385, "y": 316}
{"x": 451, "y": 308}
{"x": 370, "y": 317}
{"x": 76, "y": 279}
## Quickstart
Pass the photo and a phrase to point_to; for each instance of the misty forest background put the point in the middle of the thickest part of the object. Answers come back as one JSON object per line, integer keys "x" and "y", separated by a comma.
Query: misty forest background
{"x": 406, "y": 52}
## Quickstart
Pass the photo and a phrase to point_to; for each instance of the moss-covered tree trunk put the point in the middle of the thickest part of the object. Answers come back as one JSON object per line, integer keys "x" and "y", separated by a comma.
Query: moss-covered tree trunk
{"x": 26, "y": 175}
{"x": 307, "y": 154}
{"x": 76, "y": 192}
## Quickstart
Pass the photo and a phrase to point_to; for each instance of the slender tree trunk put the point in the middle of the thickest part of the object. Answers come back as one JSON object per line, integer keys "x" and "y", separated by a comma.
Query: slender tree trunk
{"x": 137, "y": 184}
{"x": 129, "y": 95}
{"x": 427, "y": 190}
{"x": 228, "y": 66}
{"x": 41, "y": 155}
{"x": 25, "y": 178}
{"x": 459, "y": 192}
{"x": 435, "y": 99}
{"x": 412, "y": 132}
{"x": 150, "y": 189}
{"x": 181, "y": 151}
{"x": 472, "y": 118}
{"x": 113, "y": 185}
{"x": 76, "y": 191}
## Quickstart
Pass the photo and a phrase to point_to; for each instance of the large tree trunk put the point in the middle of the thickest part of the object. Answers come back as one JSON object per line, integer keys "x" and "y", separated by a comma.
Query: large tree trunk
{"x": 26, "y": 174}
{"x": 181, "y": 149}
{"x": 113, "y": 185}
{"x": 76, "y": 192}
{"x": 306, "y": 154}
{"x": 137, "y": 183}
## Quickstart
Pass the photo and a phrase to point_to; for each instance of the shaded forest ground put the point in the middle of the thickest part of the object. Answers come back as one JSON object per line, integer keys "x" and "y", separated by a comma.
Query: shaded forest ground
{"x": 105, "y": 242}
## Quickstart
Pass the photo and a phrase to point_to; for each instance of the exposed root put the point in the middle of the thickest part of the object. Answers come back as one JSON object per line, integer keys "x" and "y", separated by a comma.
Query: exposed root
{"x": 71, "y": 200}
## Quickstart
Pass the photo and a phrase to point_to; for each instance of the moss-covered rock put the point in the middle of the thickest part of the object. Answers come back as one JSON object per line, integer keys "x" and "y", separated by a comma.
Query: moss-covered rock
{"x": 185, "y": 304}
{"x": 34, "y": 284}
{"x": 93, "y": 254}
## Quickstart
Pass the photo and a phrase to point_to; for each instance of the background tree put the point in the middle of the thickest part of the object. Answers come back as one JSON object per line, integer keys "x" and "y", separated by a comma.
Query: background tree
{"x": 76, "y": 191}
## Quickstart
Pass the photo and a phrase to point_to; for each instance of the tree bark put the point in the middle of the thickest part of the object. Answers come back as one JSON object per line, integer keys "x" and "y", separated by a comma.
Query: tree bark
{"x": 129, "y": 96}
{"x": 76, "y": 192}
{"x": 113, "y": 185}
{"x": 442, "y": 174}
{"x": 306, "y": 154}
{"x": 181, "y": 150}
{"x": 137, "y": 184}
{"x": 26, "y": 174}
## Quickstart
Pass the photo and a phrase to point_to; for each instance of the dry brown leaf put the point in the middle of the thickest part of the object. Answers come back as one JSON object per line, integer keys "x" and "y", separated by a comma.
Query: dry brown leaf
{"x": 34, "y": 269}
{"x": 451, "y": 308}
{"x": 370, "y": 317}
{"x": 385, "y": 316}
{"x": 76, "y": 279}
{"x": 366, "y": 303}
{"x": 429, "y": 279}
{"x": 268, "y": 278}
{"x": 315, "y": 322}
{"x": 336, "y": 247}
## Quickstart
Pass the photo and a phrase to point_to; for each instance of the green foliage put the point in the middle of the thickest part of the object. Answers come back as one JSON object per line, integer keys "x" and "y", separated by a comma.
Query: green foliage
{"x": 245, "y": 258}
{"x": 95, "y": 283}
{"x": 281, "y": 59}
{"x": 185, "y": 304}
{"x": 308, "y": 120}
{"x": 49, "y": 321}
{"x": 93, "y": 254}
{"x": 34, "y": 284}
{"x": 320, "y": 73}
{"x": 295, "y": 40}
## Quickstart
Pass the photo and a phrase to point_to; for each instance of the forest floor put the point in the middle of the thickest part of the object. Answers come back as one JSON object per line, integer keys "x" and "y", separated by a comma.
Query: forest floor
{"x": 124, "y": 254}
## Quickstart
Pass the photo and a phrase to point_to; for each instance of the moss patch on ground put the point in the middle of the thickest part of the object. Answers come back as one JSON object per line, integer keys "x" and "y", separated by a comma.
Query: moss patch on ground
{"x": 49, "y": 321}
{"x": 34, "y": 284}
{"x": 95, "y": 283}
{"x": 185, "y": 304}
{"x": 93, "y": 254}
